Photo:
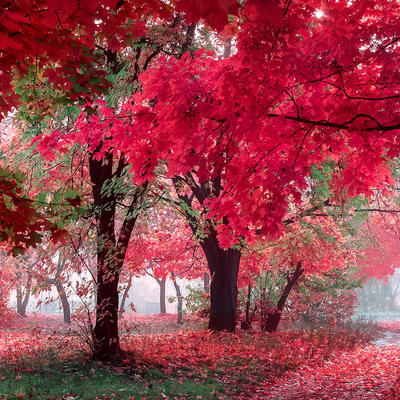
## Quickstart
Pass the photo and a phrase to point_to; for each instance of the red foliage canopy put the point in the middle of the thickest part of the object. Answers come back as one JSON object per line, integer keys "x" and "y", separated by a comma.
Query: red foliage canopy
{"x": 307, "y": 82}
{"x": 61, "y": 37}
{"x": 296, "y": 92}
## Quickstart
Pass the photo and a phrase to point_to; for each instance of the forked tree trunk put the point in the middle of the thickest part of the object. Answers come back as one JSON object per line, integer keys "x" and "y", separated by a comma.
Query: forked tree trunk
{"x": 222, "y": 263}
{"x": 273, "y": 318}
{"x": 110, "y": 251}
{"x": 57, "y": 281}
{"x": 161, "y": 283}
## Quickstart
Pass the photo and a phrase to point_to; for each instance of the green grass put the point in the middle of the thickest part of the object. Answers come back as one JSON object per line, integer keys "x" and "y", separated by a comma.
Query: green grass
{"x": 90, "y": 380}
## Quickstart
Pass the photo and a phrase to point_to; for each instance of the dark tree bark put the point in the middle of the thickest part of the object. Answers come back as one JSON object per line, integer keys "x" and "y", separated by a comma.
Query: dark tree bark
{"x": 224, "y": 267}
{"x": 110, "y": 250}
{"x": 273, "y": 318}
{"x": 222, "y": 263}
{"x": 246, "y": 324}
{"x": 106, "y": 340}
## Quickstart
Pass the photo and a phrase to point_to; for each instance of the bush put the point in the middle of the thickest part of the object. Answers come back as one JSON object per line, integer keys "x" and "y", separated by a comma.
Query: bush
{"x": 321, "y": 307}
{"x": 84, "y": 319}
{"x": 197, "y": 302}
{"x": 314, "y": 299}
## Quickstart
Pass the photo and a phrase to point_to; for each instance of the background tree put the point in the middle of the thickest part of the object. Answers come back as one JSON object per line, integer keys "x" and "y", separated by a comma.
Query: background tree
{"x": 169, "y": 251}
{"x": 24, "y": 274}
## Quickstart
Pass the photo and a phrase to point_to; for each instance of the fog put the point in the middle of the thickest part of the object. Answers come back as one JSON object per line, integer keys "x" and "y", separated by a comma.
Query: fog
{"x": 143, "y": 298}
{"x": 379, "y": 300}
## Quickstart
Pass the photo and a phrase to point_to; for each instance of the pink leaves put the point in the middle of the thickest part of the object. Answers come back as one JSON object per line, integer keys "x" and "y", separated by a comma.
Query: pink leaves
{"x": 327, "y": 364}
{"x": 364, "y": 373}
{"x": 288, "y": 365}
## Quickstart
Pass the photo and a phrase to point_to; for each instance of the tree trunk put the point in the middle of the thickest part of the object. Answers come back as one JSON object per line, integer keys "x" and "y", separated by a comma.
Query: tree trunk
{"x": 274, "y": 317}
{"x": 222, "y": 263}
{"x": 57, "y": 281}
{"x": 179, "y": 299}
{"x": 224, "y": 267}
{"x": 20, "y": 310}
{"x": 64, "y": 301}
{"x": 246, "y": 324}
{"x": 206, "y": 282}
{"x": 106, "y": 340}
{"x": 163, "y": 306}
{"x": 110, "y": 250}
{"x": 124, "y": 297}
{"x": 22, "y": 300}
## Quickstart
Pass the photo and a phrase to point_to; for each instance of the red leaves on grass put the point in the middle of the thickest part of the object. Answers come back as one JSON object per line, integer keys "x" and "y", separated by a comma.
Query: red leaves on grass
{"x": 257, "y": 358}
{"x": 366, "y": 373}
{"x": 325, "y": 364}
{"x": 28, "y": 337}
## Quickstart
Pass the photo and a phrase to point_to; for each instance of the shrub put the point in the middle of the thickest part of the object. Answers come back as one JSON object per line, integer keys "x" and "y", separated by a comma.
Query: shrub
{"x": 197, "y": 302}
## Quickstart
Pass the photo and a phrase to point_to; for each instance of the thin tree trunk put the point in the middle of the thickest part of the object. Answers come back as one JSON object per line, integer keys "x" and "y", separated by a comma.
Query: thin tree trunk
{"x": 91, "y": 267}
{"x": 22, "y": 300}
{"x": 263, "y": 301}
{"x": 20, "y": 311}
{"x": 179, "y": 299}
{"x": 163, "y": 306}
{"x": 206, "y": 282}
{"x": 273, "y": 318}
{"x": 57, "y": 281}
{"x": 124, "y": 297}
{"x": 246, "y": 324}
{"x": 64, "y": 301}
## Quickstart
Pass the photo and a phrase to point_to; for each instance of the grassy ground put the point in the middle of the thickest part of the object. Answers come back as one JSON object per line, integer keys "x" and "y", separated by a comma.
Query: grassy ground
{"x": 91, "y": 380}
{"x": 39, "y": 365}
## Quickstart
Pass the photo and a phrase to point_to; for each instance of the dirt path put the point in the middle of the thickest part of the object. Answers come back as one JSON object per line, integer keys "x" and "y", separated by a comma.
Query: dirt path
{"x": 363, "y": 374}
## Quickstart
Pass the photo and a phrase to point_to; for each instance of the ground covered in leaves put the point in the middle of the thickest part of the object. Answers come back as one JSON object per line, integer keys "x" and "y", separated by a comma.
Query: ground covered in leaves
{"x": 42, "y": 358}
